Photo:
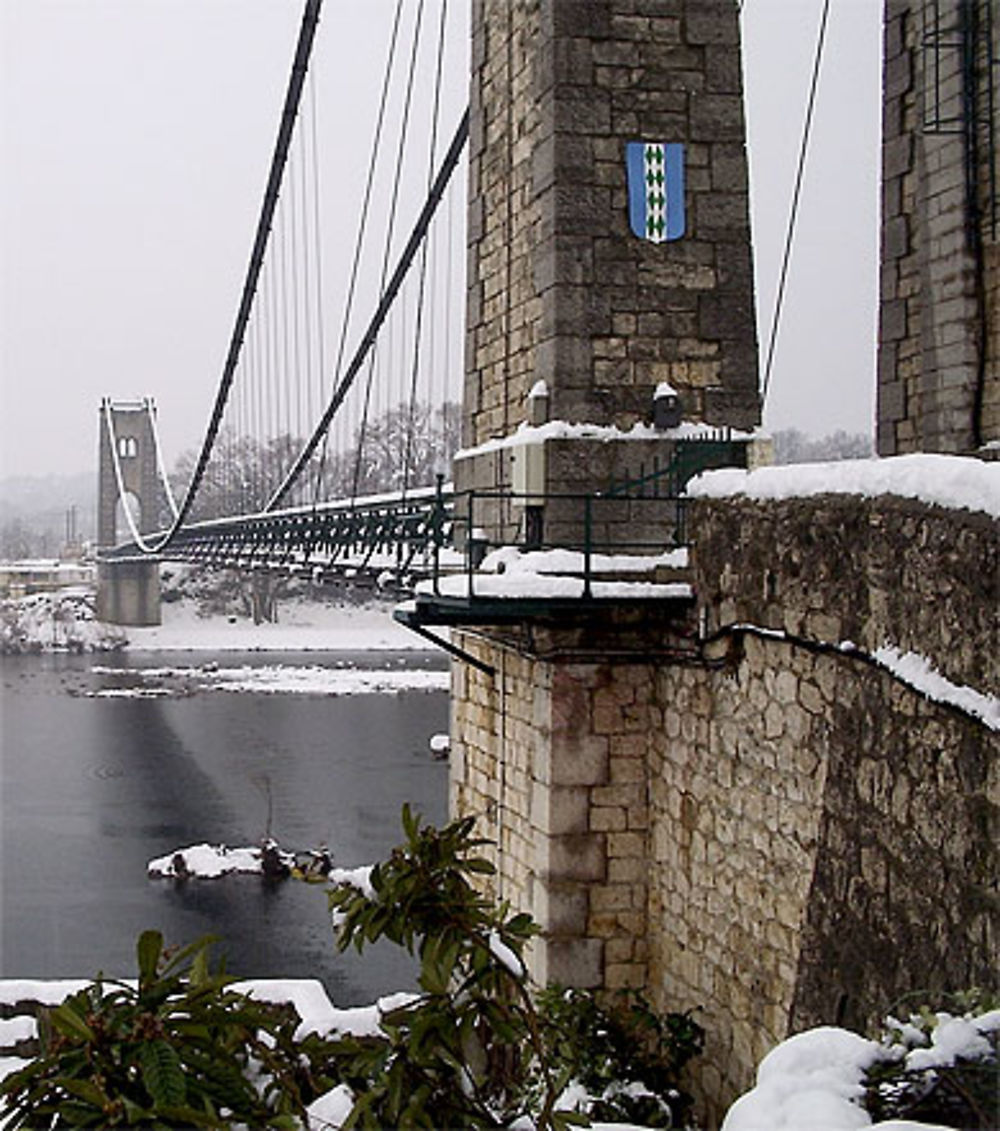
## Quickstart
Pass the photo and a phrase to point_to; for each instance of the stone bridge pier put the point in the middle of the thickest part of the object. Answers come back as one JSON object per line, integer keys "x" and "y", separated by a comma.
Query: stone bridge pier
{"x": 748, "y": 824}
{"x": 610, "y": 266}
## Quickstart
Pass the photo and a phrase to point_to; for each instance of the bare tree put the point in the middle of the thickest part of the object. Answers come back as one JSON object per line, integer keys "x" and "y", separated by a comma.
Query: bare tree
{"x": 403, "y": 448}
{"x": 793, "y": 446}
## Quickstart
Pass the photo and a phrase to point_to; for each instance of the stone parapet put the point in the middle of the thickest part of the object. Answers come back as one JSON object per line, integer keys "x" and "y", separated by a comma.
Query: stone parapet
{"x": 781, "y": 834}
{"x": 841, "y": 568}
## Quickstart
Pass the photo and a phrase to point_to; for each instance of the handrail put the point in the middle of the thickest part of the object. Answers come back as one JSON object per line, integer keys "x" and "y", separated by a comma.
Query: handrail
{"x": 466, "y": 512}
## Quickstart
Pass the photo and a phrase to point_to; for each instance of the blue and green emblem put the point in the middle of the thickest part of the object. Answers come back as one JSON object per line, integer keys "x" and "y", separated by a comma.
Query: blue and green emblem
{"x": 655, "y": 189}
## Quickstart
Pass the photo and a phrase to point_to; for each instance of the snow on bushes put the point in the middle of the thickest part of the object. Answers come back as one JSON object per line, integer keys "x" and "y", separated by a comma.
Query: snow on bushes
{"x": 62, "y": 621}
{"x": 933, "y": 1071}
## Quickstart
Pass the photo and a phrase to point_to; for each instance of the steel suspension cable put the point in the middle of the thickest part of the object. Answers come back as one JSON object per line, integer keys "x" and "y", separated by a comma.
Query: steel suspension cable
{"x": 423, "y": 255}
{"x": 293, "y": 224}
{"x": 300, "y": 64}
{"x": 390, "y": 229}
{"x": 406, "y": 258}
{"x": 161, "y": 467}
{"x": 318, "y": 236}
{"x": 793, "y": 212}
{"x": 363, "y": 221}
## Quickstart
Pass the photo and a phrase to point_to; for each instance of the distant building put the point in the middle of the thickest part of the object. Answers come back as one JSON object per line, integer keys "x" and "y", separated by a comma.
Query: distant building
{"x": 20, "y": 579}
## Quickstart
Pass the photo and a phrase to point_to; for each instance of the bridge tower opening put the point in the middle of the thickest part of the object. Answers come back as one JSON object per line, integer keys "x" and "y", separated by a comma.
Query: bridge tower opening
{"x": 128, "y": 592}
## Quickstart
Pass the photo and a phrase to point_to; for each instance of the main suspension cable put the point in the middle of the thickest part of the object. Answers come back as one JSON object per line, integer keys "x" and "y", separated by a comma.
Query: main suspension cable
{"x": 300, "y": 65}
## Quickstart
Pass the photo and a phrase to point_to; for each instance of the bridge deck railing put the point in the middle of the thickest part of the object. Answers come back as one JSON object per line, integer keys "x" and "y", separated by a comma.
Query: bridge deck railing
{"x": 582, "y": 535}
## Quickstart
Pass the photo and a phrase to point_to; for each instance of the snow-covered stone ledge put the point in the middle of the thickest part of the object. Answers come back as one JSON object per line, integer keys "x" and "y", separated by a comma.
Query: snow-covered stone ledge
{"x": 899, "y": 553}
{"x": 957, "y": 482}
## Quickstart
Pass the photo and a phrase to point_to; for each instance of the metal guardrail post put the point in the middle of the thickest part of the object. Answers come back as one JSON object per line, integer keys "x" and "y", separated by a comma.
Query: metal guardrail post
{"x": 468, "y": 543}
{"x": 438, "y": 524}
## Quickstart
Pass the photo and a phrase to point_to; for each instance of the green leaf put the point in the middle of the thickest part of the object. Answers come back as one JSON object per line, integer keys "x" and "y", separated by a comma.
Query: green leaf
{"x": 78, "y": 1114}
{"x": 66, "y": 1019}
{"x": 148, "y": 951}
{"x": 522, "y": 924}
{"x": 162, "y": 1074}
{"x": 134, "y": 1113}
{"x": 410, "y": 824}
{"x": 562, "y": 1119}
{"x": 83, "y": 1089}
{"x": 177, "y": 960}
{"x": 285, "y": 1122}
{"x": 200, "y": 973}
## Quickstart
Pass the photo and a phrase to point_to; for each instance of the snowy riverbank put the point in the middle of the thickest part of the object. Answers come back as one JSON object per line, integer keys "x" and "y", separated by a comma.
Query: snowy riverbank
{"x": 303, "y": 626}
{"x": 64, "y": 621}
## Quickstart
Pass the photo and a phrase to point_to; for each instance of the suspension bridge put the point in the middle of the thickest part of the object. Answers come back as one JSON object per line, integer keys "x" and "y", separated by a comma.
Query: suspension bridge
{"x": 328, "y": 453}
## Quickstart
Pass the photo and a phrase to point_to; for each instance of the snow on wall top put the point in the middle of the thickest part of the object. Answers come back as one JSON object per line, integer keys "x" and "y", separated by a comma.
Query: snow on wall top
{"x": 564, "y": 430}
{"x": 957, "y": 482}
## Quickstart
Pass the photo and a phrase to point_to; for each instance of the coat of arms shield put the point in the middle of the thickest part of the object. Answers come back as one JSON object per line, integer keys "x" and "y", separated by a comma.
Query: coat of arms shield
{"x": 655, "y": 189}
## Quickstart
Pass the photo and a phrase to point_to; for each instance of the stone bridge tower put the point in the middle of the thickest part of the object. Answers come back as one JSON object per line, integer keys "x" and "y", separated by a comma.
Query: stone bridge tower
{"x": 939, "y": 328}
{"x": 561, "y": 289}
{"x": 610, "y": 266}
{"x": 128, "y": 593}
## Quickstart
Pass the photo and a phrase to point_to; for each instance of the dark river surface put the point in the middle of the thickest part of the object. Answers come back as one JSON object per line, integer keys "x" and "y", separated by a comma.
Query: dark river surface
{"x": 93, "y": 788}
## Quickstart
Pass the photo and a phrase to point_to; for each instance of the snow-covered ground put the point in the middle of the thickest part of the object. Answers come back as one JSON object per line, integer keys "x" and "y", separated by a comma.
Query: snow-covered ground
{"x": 64, "y": 621}
{"x": 59, "y": 621}
{"x": 303, "y": 626}
{"x": 339, "y": 678}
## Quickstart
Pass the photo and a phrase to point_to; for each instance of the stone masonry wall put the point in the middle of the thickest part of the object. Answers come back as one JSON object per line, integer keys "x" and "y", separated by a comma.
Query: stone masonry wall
{"x": 559, "y": 288}
{"x": 736, "y": 792}
{"x": 830, "y": 847}
{"x": 554, "y": 767}
{"x": 939, "y": 287}
{"x": 825, "y": 838}
{"x": 776, "y": 831}
{"x": 872, "y": 571}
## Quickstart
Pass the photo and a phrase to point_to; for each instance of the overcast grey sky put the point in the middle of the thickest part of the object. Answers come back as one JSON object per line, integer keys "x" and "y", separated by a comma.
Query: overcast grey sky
{"x": 136, "y": 137}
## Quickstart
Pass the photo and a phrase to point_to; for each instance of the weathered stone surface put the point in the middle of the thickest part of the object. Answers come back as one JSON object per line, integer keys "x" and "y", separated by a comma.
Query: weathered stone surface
{"x": 931, "y": 271}
{"x": 890, "y": 569}
{"x": 775, "y": 823}
{"x": 558, "y": 90}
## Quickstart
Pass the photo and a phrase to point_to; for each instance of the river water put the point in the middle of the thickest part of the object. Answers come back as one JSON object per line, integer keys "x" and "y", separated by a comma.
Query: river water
{"x": 92, "y": 787}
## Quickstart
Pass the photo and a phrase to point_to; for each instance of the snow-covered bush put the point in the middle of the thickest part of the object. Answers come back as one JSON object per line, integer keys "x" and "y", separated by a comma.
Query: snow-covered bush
{"x": 626, "y": 1060}
{"x": 177, "y": 1048}
{"x": 62, "y": 621}
{"x": 935, "y": 1069}
{"x": 475, "y": 1048}
{"x": 942, "y": 1066}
